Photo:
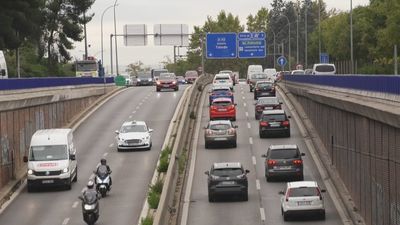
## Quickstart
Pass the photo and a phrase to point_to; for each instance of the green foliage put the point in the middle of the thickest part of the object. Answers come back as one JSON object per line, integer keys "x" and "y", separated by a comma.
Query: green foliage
{"x": 157, "y": 187}
{"x": 164, "y": 160}
{"x": 147, "y": 221}
{"x": 153, "y": 199}
{"x": 182, "y": 161}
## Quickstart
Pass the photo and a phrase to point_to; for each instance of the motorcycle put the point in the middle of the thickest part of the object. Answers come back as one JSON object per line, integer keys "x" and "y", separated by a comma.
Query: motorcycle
{"x": 90, "y": 207}
{"x": 103, "y": 180}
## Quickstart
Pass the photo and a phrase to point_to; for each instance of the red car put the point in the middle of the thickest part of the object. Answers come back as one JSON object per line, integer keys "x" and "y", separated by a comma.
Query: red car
{"x": 191, "y": 76}
{"x": 167, "y": 81}
{"x": 223, "y": 108}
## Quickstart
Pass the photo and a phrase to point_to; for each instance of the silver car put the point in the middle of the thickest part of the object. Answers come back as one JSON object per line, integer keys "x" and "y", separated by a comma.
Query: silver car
{"x": 219, "y": 132}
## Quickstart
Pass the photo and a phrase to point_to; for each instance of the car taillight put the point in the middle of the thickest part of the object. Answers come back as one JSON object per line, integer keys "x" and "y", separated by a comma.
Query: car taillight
{"x": 213, "y": 107}
{"x": 264, "y": 123}
{"x": 285, "y": 123}
{"x": 257, "y": 89}
{"x": 271, "y": 162}
{"x": 297, "y": 162}
{"x": 231, "y": 131}
{"x": 209, "y": 132}
{"x": 278, "y": 107}
{"x": 259, "y": 107}
{"x": 173, "y": 82}
{"x": 232, "y": 107}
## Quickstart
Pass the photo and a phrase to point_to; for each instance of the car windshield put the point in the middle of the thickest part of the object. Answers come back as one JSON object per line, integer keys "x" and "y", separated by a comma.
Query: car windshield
{"x": 264, "y": 85}
{"x": 259, "y": 76}
{"x": 303, "y": 191}
{"x": 144, "y": 75}
{"x": 284, "y": 154}
{"x": 273, "y": 117}
{"x": 221, "y": 103}
{"x": 90, "y": 197}
{"x": 48, "y": 153}
{"x": 167, "y": 76}
{"x": 133, "y": 128}
{"x": 324, "y": 68}
{"x": 86, "y": 66}
{"x": 191, "y": 74}
{"x": 221, "y": 78}
{"x": 219, "y": 126}
{"x": 227, "y": 172}
{"x": 269, "y": 101}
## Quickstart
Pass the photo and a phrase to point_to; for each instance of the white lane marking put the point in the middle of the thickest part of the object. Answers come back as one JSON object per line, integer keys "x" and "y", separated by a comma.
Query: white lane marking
{"x": 137, "y": 107}
{"x": 262, "y": 214}
{"x": 253, "y": 158}
{"x": 133, "y": 112}
{"x": 244, "y": 104}
{"x": 105, "y": 154}
{"x": 75, "y": 204}
{"x": 83, "y": 189}
{"x": 111, "y": 145}
{"x": 243, "y": 98}
{"x": 242, "y": 92}
{"x": 140, "y": 103}
{"x": 258, "y": 185}
{"x": 248, "y": 125}
{"x": 130, "y": 117}
{"x": 251, "y": 140}
{"x": 247, "y": 114}
{"x": 65, "y": 222}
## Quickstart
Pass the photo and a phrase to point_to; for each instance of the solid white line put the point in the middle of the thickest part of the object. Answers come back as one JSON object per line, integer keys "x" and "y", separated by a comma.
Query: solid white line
{"x": 248, "y": 125}
{"x": 251, "y": 140}
{"x": 262, "y": 214}
{"x": 75, "y": 204}
{"x": 111, "y": 145}
{"x": 258, "y": 185}
{"x": 130, "y": 117}
{"x": 247, "y": 114}
{"x": 244, "y": 104}
{"x": 65, "y": 222}
{"x": 105, "y": 154}
{"x": 133, "y": 112}
{"x": 253, "y": 158}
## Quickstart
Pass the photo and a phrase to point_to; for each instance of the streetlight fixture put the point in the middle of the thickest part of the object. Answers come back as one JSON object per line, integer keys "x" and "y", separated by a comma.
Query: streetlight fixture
{"x": 351, "y": 37}
{"x": 102, "y": 15}
{"x": 115, "y": 36}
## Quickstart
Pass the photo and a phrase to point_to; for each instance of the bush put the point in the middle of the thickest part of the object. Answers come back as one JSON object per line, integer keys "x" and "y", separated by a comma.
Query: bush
{"x": 163, "y": 166}
{"x": 147, "y": 221}
{"x": 182, "y": 161}
{"x": 157, "y": 187}
{"x": 192, "y": 115}
{"x": 153, "y": 199}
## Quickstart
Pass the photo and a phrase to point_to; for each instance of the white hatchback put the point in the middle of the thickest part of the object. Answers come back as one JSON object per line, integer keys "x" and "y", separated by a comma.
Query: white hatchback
{"x": 224, "y": 80}
{"x": 302, "y": 197}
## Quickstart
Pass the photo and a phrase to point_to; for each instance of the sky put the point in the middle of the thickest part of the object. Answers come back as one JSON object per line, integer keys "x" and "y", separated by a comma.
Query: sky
{"x": 150, "y": 12}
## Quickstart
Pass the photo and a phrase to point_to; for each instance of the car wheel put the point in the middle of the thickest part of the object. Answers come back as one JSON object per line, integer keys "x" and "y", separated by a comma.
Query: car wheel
{"x": 149, "y": 148}
{"x": 211, "y": 198}
{"x": 68, "y": 186}
{"x": 301, "y": 177}
{"x": 268, "y": 178}
{"x": 285, "y": 216}
{"x": 288, "y": 133}
{"x": 245, "y": 197}
{"x": 207, "y": 145}
{"x": 76, "y": 175}
{"x": 261, "y": 134}
{"x": 30, "y": 188}
{"x": 255, "y": 115}
{"x": 176, "y": 89}
{"x": 234, "y": 118}
{"x": 322, "y": 215}
{"x": 255, "y": 97}
{"x": 157, "y": 90}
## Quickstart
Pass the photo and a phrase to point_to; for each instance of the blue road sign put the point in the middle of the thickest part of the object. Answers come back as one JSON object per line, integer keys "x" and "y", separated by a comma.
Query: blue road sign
{"x": 252, "y": 45}
{"x": 324, "y": 58}
{"x": 281, "y": 61}
{"x": 221, "y": 46}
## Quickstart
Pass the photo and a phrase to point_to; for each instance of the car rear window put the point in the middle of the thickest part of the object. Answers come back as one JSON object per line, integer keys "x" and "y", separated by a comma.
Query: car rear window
{"x": 222, "y": 78}
{"x": 259, "y": 76}
{"x": 222, "y": 103}
{"x": 273, "y": 117}
{"x": 227, "y": 172}
{"x": 268, "y": 101}
{"x": 303, "y": 191}
{"x": 219, "y": 126}
{"x": 324, "y": 68}
{"x": 264, "y": 85}
{"x": 284, "y": 154}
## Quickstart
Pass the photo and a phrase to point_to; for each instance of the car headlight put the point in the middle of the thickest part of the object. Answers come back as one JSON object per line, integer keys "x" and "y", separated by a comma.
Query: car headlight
{"x": 138, "y": 80}
{"x": 65, "y": 170}
{"x": 150, "y": 79}
{"x": 30, "y": 172}
{"x": 89, "y": 207}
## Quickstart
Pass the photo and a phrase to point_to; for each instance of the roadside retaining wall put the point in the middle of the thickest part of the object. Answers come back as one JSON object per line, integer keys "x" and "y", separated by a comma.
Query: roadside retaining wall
{"x": 360, "y": 139}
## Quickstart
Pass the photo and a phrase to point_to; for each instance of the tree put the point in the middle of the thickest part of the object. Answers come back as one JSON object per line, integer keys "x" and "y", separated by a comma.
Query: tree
{"x": 134, "y": 68}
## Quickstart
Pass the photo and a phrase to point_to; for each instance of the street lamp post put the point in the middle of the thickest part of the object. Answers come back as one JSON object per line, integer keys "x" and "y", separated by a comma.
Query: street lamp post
{"x": 102, "y": 15}
{"x": 319, "y": 29}
{"x": 274, "y": 47}
{"x": 306, "y": 36}
{"x": 289, "y": 41}
{"x": 115, "y": 34}
{"x": 351, "y": 37}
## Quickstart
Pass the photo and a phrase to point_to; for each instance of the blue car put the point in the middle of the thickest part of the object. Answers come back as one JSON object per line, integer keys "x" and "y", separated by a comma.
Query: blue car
{"x": 220, "y": 92}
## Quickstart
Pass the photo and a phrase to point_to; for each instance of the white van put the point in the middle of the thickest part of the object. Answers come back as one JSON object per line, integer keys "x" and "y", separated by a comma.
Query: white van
{"x": 3, "y": 66}
{"x": 324, "y": 69}
{"x": 253, "y": 69}
{"x": 51, "y": 160}
{"x": 271, "y": 73}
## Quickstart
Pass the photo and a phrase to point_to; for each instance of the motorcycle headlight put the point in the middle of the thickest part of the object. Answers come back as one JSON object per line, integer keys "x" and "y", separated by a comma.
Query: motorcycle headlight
{"x": 30, "y": 172}
{"x": 89, "y": 207}
{"x": 65, "y": 170}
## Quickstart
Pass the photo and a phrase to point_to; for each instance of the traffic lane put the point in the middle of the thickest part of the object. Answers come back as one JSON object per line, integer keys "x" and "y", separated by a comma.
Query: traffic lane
{"x": 133, "y": 170}
{"x": 91, "y": 148}
{"x": 270, "y": 196}
{"x": 226, "y": 211}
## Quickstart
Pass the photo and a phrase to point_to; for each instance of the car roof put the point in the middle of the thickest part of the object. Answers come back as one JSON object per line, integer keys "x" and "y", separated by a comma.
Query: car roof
{"x": 222, "y": 100}
{"x": 272, "y": 112}
{"x": 220, "y": 88}
{"x": 267, "y": 98}
{"x": 133, "y": 122}
{"x": 222, "y": 75}
{"x": 299, "y": 184}
{"x": 212, "y": 122}
{"x": 274, "y": 147}
{"x": 226, "y": 165}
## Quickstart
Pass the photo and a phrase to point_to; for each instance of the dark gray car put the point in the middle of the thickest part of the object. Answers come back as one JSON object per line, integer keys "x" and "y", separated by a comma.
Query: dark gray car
{"x": 283, "y": 161}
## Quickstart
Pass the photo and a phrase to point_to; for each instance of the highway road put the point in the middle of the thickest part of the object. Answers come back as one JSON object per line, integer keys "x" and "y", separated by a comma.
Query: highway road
{"x": 95, "y": 139}
{"x": 263, "y": 207}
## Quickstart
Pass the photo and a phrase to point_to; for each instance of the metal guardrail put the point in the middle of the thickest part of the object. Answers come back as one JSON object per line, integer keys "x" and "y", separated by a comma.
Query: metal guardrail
{"x": 383, "y": 84}
{"x": 26, "y": 83}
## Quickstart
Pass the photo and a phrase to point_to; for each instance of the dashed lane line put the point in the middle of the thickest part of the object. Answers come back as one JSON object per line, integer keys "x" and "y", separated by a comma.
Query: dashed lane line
{"x": 65, "y": 222}
{"x": 249, "y": 125}
{"x": 247, "y": 114}
{"x": 251, "y": 140}
{"x": 244, "y": 104}
{"x": 75, "y": 204}
{"x": 262, "y": 214}
{"x": 258, "y": 185}
{"x": 130, "y": 117}
{"x": 105, "y": 154}
{"x": 133, "y": 112}
{"x": 253, "y": 158}
{"x": 111, "y": 145}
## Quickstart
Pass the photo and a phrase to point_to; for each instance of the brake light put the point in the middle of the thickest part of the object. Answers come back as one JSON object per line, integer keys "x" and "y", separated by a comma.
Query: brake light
{"x": 271, "y": 162}
{"x": 297, "y": 162}
{"x": 232, "y": 107}
{"x": 285, "y": 123}
{"x": 213, "y": 107}
{"x": 257, "y": 89}
{"x": 259, "y": 107}
{"x": 263, "y": 123}
{"x": 158, "y": 82}
{"x": 209, "y": 132}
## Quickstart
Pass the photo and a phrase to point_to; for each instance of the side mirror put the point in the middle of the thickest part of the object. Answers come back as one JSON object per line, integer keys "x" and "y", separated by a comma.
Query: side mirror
{"x": 80, "y": 197}
{"x": 281, "y": 192}
{"x": 117, "y": 132}
{"x": 247, "y": 171}
{"x": 303, "y": 154}
{"x": 264, "y": 155}
{"x": 72, "y": 157}
{"x": 25, "y": 158}
{"x": 323, "y": 190}
{"x": 236, "y": 126}
{"x": 235, "y": 104}
{"x": 280, "y": 103}
{"x": 204, "y": 127}
{"x": 207, "y": 173}
{"x": 110, "y": 172}
{"x": 289, "y": 117}
{"x": 151, "y": 130}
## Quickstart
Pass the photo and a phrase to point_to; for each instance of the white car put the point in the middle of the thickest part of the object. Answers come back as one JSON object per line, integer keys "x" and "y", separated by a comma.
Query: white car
{"x": 324, "y": 69}
{"x": 302, "y": 197}
{"x": 134, "y": 135}
{"x": 224, "y": 80}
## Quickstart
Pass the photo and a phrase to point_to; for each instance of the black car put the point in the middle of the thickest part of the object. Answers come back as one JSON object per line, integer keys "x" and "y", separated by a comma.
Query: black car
{"x": 227, "y": 178}
{"x": 283, "y": 161}
{"x": 144, "y": 79}
{"x": 274, "y": 122}
{"x": 266, "y": 103}
{"x": 264, "y": 89}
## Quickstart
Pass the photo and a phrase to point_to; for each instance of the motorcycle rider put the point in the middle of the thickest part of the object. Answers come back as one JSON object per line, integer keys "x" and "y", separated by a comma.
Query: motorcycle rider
{"x": 103, "y": 162}
{"x": 90, "y": 196}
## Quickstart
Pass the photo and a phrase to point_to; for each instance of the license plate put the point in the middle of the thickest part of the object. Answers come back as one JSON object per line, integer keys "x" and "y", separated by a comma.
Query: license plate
{"x": 165, "y": 85}
{"x": 220, "y": 139}
{"x": 283, "y": 167}
{"x": 275, "y": 124}
{"x": 302, "y": 203}
{"x": 268, "y": 108}
{"x": 222, "y": 110}
{"x": 228, "y": 182}
{"x": 47, "y": 181}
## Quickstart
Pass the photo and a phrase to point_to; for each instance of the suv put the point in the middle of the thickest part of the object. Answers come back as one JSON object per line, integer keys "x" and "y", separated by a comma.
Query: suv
{"x": 134, "y": 135}
{"x": 256, "y": 77}
{"x": 264, "y": 89}
{"x": 227, "y": 178}
{"x": 274, "y": 122}
{"x": 302, "y": 197}
{"x": 283, "y": 160}
{"x": 223, "y": 79}
{"x": 266, "y": 103}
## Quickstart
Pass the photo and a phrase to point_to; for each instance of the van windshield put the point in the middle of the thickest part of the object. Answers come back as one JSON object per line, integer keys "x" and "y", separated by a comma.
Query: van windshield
{"x": 325, "y": 68}
{"x": 48, "y": 153}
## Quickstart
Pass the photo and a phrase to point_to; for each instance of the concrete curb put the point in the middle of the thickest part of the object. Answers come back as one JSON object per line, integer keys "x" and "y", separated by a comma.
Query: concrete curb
{"x": 335, "y": 186}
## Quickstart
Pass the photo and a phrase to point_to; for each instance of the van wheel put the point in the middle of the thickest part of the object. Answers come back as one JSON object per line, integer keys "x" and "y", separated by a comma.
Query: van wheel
{"x": 68, "y": 186}
{"x": 76, "y": 175}
{"x": 30, "y": 188}
{"x": 245, "y": 197}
